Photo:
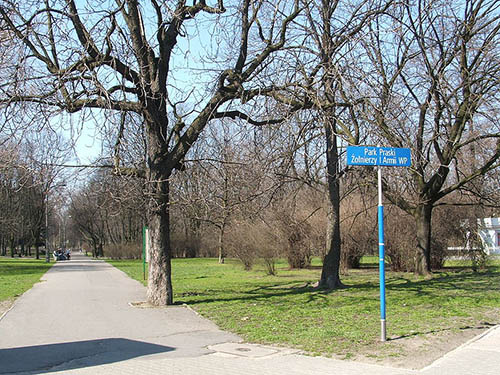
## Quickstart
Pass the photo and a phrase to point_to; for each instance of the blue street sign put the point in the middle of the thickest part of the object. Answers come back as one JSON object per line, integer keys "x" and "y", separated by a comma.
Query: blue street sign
{"x": 382, "y": 156}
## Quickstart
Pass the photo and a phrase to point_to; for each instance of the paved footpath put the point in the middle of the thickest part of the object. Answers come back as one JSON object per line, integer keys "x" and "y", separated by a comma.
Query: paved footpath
{"x": 81, "y": 320}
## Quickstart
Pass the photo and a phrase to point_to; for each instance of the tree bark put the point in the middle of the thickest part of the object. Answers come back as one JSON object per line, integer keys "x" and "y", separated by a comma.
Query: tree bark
{"x": 160, "y": 290}
{"x": 423, "y": 216}
{"x": 222, "y": 252}
{"x": 331, "y": 265}
{"x": 225, "y": 208}
{"x": 12, "y": 248}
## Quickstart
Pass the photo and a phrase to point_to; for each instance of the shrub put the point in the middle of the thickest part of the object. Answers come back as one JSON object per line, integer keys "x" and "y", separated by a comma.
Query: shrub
{"x": 401, "y": 239}
{"x": 298, "y": 251}
{"x": 248, "y": 241}
{"x": 464, "y": 235}
{"x": 124, "y": 251}
{"x": 239, "y": 244}
{"x": 301, "y": 221}
{"x": 188, "y": 242}
{"x": 185, "y": 246}
{"x": 358, "y": 232}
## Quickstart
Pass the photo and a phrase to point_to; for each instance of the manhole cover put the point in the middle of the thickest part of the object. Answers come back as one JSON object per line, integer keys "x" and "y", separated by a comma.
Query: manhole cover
{"x": 244, "y": 350}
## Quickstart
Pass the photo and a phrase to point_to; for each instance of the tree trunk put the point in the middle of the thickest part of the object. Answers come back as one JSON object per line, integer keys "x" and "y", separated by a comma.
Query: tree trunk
{"x": 423, "y": 216}
{"x": 159, "y": 290}
{"x": 331, "y": 265}
{"x": 94, "y": 249}
{"x": 159, "y": 280}
{"x": 222, "y": 252}
{"x": 225, "y": 204}
{"x": 12, "y": 248}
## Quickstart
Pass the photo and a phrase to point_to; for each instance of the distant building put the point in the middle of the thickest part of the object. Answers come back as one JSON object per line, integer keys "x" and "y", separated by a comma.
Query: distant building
{"x": 489, "y": 231}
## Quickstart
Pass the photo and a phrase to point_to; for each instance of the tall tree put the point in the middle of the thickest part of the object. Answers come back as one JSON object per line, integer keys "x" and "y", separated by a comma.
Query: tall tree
{"x": 433, "y": 70}
{"x": 88, "y": 214}
{"x": 230, "y": 175}
{"x": 319, "y": 81}
{"x": 120, "y": 56}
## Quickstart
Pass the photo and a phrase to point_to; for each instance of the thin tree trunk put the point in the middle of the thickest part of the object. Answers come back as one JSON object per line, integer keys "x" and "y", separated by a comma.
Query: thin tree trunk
{"x": 12, "y": 248}
{"x": 225, "y": 202}
{"x": 423, "y": 216}
{"x": 331, "y": 265}
{"x": 222, "y": 252}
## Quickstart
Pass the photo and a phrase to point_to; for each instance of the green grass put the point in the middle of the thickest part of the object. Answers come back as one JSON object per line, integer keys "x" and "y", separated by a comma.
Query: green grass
{"x": 286, "y": 310}
{"x": 17, "y": 275}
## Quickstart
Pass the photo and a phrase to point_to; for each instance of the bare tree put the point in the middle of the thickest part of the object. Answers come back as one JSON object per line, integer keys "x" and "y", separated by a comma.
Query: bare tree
{"x": 27, "y": 174}
{"x": 319, "y": 81}
{"x": 119, "y": 56}
{"x": 88, "y": 214}
{"x": 228, "y": 174}
{"x": 433, "y": 75}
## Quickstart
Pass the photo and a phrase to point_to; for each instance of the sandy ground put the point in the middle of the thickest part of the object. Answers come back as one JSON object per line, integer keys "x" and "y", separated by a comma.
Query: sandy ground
{"x": 417, "y": 352}
{"x": 5, "y": 306}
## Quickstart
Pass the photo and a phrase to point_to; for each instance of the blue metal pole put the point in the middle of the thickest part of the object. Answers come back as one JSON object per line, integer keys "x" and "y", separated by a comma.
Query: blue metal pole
{"x": 381, "y": 252}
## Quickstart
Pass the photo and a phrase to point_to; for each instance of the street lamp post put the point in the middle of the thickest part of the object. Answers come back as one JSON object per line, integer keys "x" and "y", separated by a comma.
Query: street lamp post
{"x": 47, "y": 252}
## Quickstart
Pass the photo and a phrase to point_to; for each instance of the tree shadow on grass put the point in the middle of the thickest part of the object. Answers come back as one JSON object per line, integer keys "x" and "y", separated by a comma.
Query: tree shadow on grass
{"x": 461, "y": 283}
{"x": 43, "y": 359}
{"x": 6, "y": 270}
{"x": 269, "y": 292}
{"x": 252, "y": 295}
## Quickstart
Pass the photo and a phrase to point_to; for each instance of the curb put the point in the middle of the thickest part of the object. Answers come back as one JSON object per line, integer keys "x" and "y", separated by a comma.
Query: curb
{"x": 10, "y": 308}
{"x": 465, "y": 344}
{"x": 20, "y": 296}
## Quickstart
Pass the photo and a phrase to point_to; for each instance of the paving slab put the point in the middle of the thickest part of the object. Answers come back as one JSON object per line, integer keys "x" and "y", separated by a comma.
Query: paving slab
{"x": 218, "y": 364}
{"x": 479, "y": 356}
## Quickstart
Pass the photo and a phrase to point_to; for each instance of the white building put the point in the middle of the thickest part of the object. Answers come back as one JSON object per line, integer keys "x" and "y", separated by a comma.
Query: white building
{"x": 489, "y": 230}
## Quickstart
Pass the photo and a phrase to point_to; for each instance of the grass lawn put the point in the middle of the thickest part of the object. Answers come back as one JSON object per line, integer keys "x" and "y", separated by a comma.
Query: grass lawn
{"x": 286, "y": 310}
{"x": 17, "y": 275}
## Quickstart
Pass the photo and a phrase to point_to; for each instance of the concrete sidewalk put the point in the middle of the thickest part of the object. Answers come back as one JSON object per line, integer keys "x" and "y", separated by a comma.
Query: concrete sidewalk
{"x": 80, "y": 320}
